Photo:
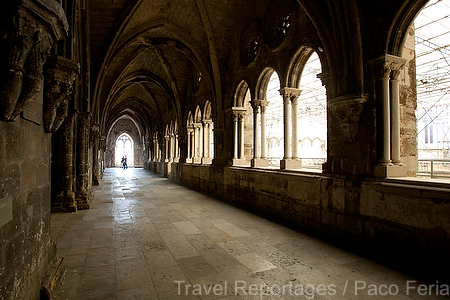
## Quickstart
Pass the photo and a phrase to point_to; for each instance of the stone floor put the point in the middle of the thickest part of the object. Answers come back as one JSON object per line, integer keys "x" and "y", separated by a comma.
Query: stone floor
{"x": 146, "y": 237}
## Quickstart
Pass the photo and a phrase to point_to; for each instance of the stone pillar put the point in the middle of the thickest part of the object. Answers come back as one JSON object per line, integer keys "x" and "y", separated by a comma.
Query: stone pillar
{"x": 189, "y": 130}
{"x": 177, "y": 149}
{"x": 389, "y": 115}
{"x": 172, "y": 147}
{"x": 395, "y": 119}
{"x": 294, "y": 112}
{"x": 65, "y": 198}
{"x": 238, "y": 127}
{"x": 206, "y": 159}
{"x": 166, "y": 139}
{"x": 287, "y": 126}
{"x": 95, "y": 136}
{"x": 264, "y": 149}
{"x": 195, "y": 144}
{"x": 257, "y": 161}
{"x": 289, "y": 161}
{"x": 241, "y": 136}
{"x": 83, "y": 194}
{"x": 236, "y": 137}
{"x": 200, "y": 141}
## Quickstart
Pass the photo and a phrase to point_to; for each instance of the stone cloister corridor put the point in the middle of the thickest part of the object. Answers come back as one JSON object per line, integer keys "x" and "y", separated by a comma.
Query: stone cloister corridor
{"x": 305, "y": 112}
{"x": 147, "y": 237}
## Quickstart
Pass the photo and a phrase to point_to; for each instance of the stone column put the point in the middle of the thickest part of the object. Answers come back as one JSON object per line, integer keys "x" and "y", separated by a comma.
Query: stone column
{"x": 194, "y": 143}
{"x": 263, "y": 105}
{"x": 102, "y": 143}
{"x": 65, "y": 198}
{"x": 189, "y": 130}
{"x": 198, "y": 150}
{"x": 395, "y": 119}
{"x": 206, "y": 159}
{"x": 236, "y": 137}
{"x": 256, "y": 149}
{"x": 287, "y": 126}
{"x": 390, "y": 119}
{"x": 200, "y": 141}
{"x": 238, "y": 127}
{"x": 166, "y": 139}
{"x": 83, "y": 194}
{"x": 241, "y": 136}
{"x": 172, "y": 146}
{"x": 177, "y": 150}
{"x": 290, "y": 160}
{"x": 386, "y": 118}
{"x": 258, "y": 160}
{"x": 95, "y": 136}
{"x": 294, "y": 100}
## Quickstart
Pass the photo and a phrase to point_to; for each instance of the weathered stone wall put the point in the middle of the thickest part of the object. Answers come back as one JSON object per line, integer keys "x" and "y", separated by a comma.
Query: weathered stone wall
{"x": 408, "y": 105}
{"x": 26, "y": 247}
{"x": 400, "y": 217}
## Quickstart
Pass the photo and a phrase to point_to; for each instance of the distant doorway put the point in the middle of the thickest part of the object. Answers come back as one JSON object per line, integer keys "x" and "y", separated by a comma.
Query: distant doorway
{"x": 124, "y": 148}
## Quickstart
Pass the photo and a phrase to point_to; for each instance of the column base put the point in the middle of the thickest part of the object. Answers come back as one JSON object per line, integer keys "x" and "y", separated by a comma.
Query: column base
{"x": 240, "y": 162}
{"x": 189, "y": 160}
{"x": 83, "y": 200}
{"x": 206, "y": 160}
{"x": 197, "y": 160}
{"x": 260, "y": 163}
{"x": 65, "y": 203}
{"x": 290, "y": 164}
{"x": 390, "y": 171}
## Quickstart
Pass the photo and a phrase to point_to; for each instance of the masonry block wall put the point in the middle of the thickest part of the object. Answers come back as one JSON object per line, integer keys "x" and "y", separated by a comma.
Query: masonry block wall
{"x": 26, "y": 247}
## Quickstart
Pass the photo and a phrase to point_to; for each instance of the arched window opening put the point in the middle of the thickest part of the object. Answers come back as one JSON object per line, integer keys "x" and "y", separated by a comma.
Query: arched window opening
{"x": 168, "y": 147}
{"x": 432, "y": 53}
{"x": 124, "y": 149}
{"x": 190, "y": 138}
{"x": 208, "y": 135}
{"x": 156, "y": 148}
{"x": 274, "y": 121}
{"x": 242, "y": 126}
{"x": 198, "y": 137}
{"x": 312, "y": 114}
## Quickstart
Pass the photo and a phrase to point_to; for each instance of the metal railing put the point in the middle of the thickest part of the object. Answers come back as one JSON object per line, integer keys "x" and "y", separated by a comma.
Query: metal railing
{"x": 434, "y": 168}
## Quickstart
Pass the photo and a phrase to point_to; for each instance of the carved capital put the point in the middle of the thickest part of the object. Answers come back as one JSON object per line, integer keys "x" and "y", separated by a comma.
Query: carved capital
{"x": 290, "y": 92}
{"x": 238, "y": 112}
{"x": 257, "y": 103}
{"x": 59, "y": 77}
{"x": 347, "y": 109}
{"x": 387, "y": 64}
{"x": 31, "y": 29}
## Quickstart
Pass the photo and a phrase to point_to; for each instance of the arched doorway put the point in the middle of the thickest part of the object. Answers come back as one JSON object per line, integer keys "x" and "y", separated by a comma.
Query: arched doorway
{"x": 124, "y": 148}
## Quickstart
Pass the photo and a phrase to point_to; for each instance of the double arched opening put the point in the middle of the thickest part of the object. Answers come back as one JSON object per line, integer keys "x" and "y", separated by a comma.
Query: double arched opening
{"x": 200, "y": 135}
{"x": 281, "y": 118}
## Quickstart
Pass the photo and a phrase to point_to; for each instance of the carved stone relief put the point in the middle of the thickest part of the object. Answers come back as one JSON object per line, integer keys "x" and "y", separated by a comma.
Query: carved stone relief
{"x": 32, "y": 28}
{"x": 347, "y": 110}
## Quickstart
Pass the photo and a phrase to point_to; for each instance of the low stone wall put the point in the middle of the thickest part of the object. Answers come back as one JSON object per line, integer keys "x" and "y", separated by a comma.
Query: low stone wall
{"x": 401, "y": 218}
